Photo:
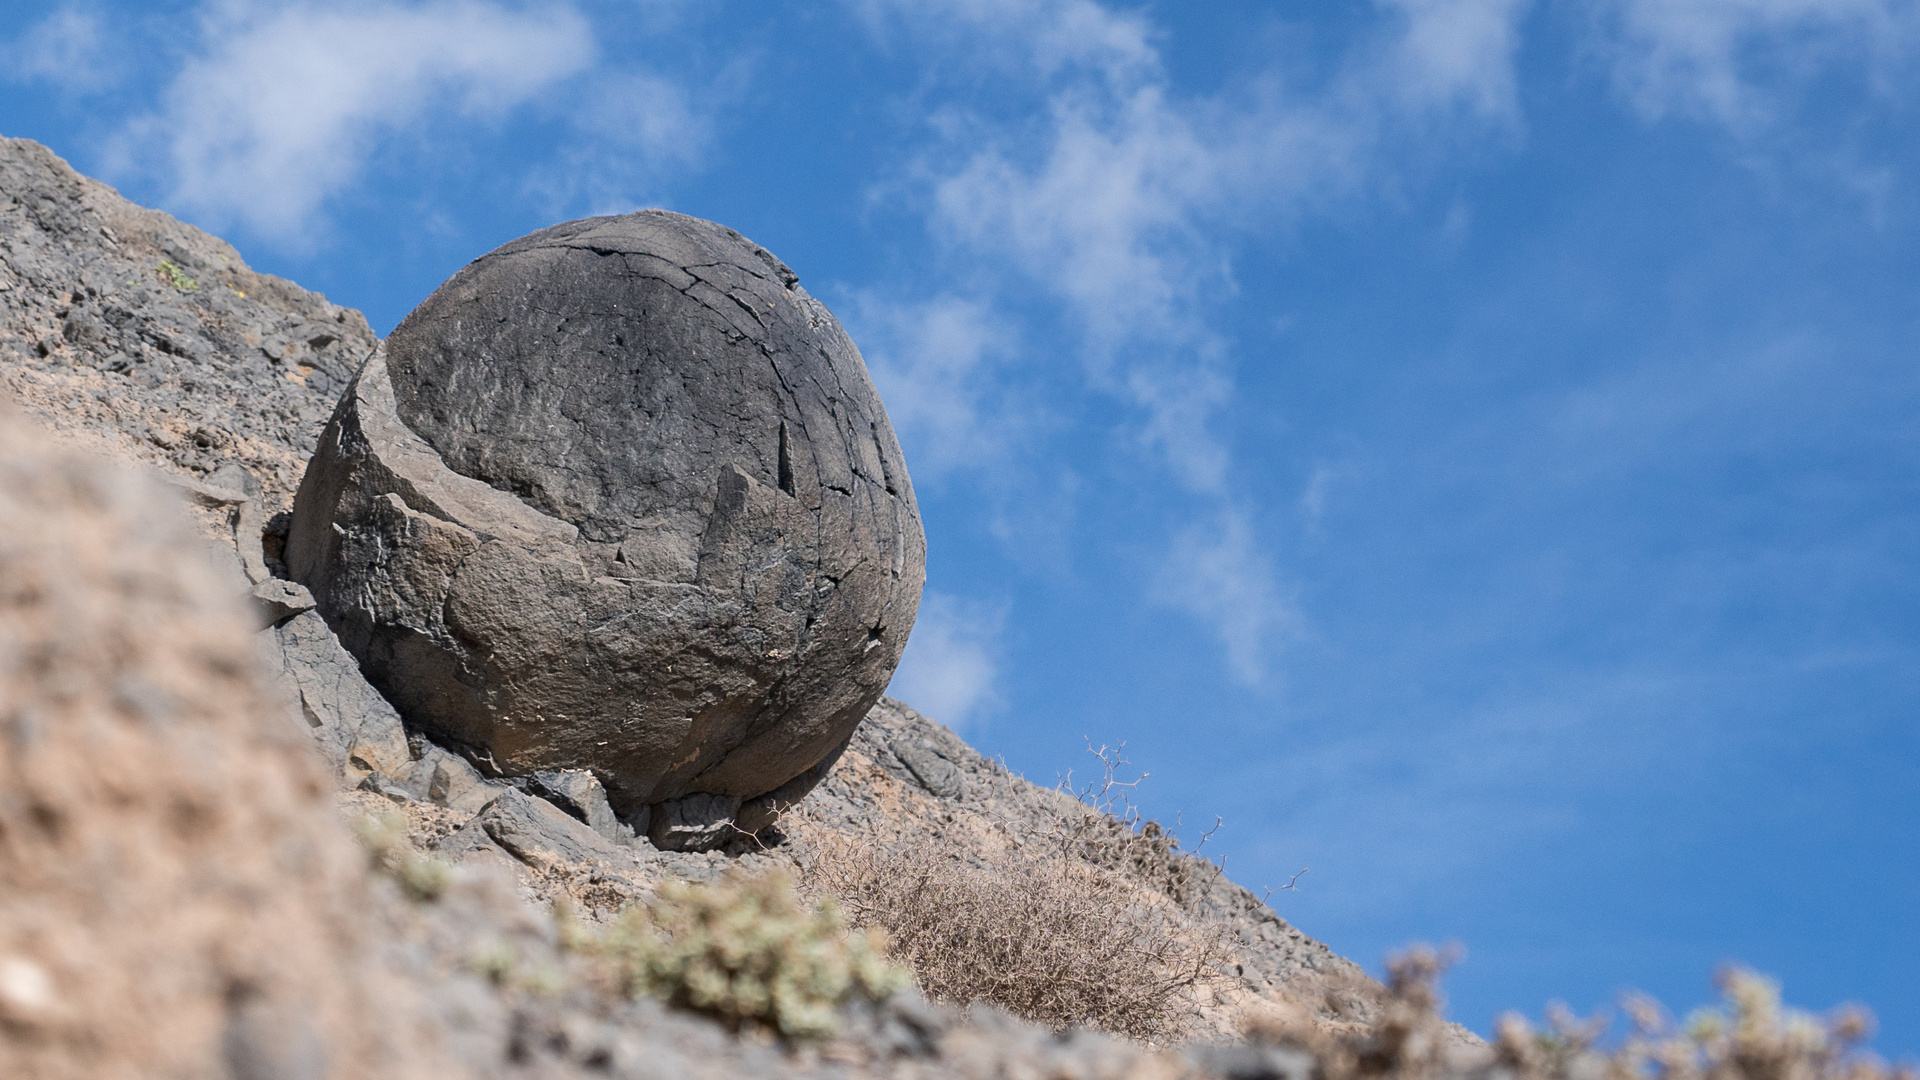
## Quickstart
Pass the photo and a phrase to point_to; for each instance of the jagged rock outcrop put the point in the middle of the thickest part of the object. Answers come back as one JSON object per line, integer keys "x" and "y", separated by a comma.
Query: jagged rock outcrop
{"x": 151, "y": 341}
{"x": 620, "y": 496}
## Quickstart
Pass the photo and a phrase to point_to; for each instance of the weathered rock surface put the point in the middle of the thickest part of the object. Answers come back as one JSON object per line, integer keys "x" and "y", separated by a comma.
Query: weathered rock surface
{"x": 353, "y": 725}
{"x": 176, "y": 895}
{"x": 151, "y": 341}
{"x": 152, "y": 344}
{"x": 620, "y": 496}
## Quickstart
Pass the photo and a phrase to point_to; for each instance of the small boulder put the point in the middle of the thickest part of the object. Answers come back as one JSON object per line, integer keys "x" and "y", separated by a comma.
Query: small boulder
{"x": 275, "y": 601}
{"x": 354, "y": 726}
{"x": 538, "y": 834}
{"x": 581, "y": 794}
{"x": 935, "y": 773}
{"x": 456, "y": 785}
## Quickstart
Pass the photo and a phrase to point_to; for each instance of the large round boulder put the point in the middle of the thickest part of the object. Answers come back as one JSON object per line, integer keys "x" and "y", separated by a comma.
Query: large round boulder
{"x": 621, "y": 496}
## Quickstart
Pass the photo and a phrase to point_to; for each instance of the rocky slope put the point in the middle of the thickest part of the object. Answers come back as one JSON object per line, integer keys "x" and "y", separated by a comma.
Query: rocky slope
{"x": 126, "y": 330}
{"x": 152, "y": 345}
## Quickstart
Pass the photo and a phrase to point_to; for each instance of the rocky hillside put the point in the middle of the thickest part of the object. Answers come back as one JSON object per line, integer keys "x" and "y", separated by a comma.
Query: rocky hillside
{"x": 127, "y": 331}
{"x": 152, "y": 346}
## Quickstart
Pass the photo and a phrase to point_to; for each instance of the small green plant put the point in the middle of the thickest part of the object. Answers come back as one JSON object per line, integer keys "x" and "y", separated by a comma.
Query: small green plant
{"x": 177, "y": 278}
{"x": 747, "y": 951}
{"x": 496, "y": 961}
{"x": 384, "y": 835}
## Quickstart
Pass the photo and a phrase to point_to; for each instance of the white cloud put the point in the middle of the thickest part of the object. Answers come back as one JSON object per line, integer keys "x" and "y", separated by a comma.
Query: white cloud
{"x": 1126, "y": 201}
{"x": 1103, "y": 217}
{"x": 1123, "y": 200}
{"x": 1219, "y": 574}
{"x": 1455, "y": 53}
{"x": 1180, "y": 404}
{"x": 66, "y": 49}
{"x": 1732, "y": 60}
{"x": 1045, "y": 36}
{"x": 287, "y": 102}
{"x": 1319, "y": 490}
{"x": 951, "y": 662}
{"x": 937, "y": 364}
{"x": 632, "y": 126}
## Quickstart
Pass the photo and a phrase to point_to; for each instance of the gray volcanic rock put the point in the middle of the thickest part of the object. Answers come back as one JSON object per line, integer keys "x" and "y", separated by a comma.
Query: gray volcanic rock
{"x": 152, "y": 342}
{"x": 620, "y": 496}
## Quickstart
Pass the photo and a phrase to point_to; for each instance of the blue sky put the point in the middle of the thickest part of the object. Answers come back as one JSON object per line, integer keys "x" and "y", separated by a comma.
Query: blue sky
{"x": 1470, "y": 446}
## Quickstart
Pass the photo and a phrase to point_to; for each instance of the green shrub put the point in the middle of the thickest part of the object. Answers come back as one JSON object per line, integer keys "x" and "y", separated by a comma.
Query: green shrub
{"x": 177, "y": 278}
{"x": 746, "y": 951}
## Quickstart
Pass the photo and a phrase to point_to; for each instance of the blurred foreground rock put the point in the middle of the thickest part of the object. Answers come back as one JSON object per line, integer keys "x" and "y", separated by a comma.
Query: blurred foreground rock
{"x": 177, "y": 897}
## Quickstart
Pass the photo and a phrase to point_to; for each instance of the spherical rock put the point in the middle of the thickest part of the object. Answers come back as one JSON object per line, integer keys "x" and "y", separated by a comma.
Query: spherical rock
{"x": 620, "y": 496}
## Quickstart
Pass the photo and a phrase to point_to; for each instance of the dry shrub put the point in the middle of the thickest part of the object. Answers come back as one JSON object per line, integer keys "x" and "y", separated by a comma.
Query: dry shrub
{"x": 1752, "y": 1037}
{"x": 748, "y": 951}
{"x": 1113, "y": 835}
{"x": 1047, "y": 937}
{"x": 1082, "y": 924}
{"x": 1409, "y": 1037}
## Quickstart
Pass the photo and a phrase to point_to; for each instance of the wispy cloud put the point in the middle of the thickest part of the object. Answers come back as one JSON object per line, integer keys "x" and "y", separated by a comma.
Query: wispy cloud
{"x": 952, "y": 659}
{"x": 66, "y": 49}
{"x": 284, "y": 104}
{"x": 940, "y": 365}
{"x": 1124, "y": 200}
{"x": 1219, "y": 573}
{"x": 1449, "y": 54}
{"x": 1738, "y": 62}
{"x": 1044, "y": 36}
{"x": 631, "y": 127}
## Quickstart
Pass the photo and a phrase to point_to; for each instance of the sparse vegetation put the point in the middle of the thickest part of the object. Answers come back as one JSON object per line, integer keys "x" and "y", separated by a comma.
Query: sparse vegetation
{"x": 1079, "y": 926}
{"x": 177, "y": 277}
{"x": 1047, "y": 938}
{"x": 385, "y": 836}
{"x": 1750, "y": 1037}
{"x": 1407, "y": 1039}
{"x": 1116, "y": 836}
{"x": 748, "y": 951}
